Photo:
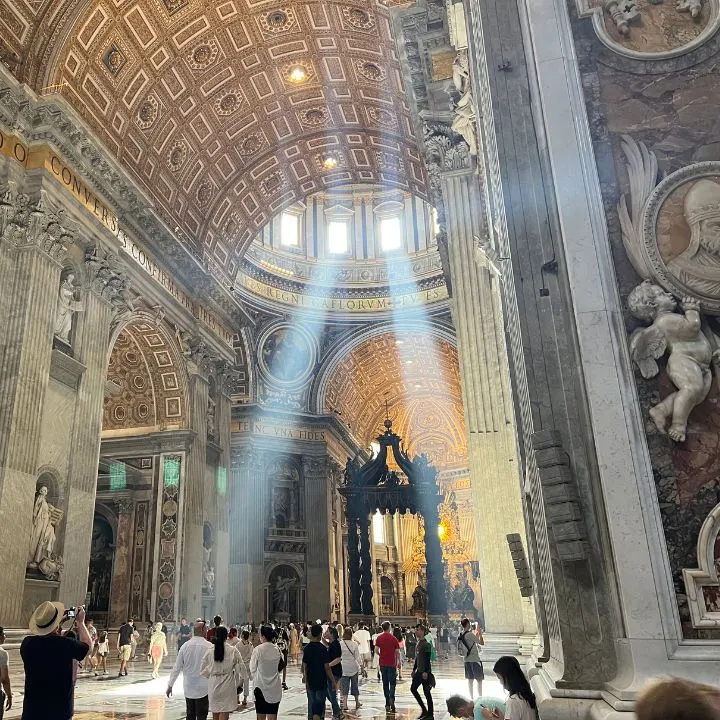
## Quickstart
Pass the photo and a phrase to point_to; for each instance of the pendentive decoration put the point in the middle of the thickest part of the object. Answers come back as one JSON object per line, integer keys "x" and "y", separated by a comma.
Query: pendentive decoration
{"x": 671, "y": 232}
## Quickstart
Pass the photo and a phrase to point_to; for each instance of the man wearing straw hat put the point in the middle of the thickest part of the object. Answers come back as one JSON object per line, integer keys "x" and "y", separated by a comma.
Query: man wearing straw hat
{"x": 48, "y": 660}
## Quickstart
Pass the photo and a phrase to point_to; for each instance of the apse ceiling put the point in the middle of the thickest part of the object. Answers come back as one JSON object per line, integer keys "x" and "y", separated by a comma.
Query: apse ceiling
{"x": 419, "y": 376}
{"x": 227, "y": 112}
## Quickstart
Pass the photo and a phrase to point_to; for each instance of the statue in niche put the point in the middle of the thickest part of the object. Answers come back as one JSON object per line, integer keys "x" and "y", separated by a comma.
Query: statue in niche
{"x": 281, "y": 594}
{"x": 690, "y": 353}
{"x": 698, "y": 266}
{"x": 208, "y": 571}
{"x": 420, "y": 597}
{"x": 281, "y": 506}
{"x": 67, "y": 305}
{"x": 464, "y": 119}
{"x": 211, "y": 418}
{"x": 463, "y": 596}
{"x": 42, "y": 539}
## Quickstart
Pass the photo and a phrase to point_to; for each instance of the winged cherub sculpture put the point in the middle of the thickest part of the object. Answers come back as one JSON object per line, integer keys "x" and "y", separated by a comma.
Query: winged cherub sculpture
{"x": 690, "y": 353}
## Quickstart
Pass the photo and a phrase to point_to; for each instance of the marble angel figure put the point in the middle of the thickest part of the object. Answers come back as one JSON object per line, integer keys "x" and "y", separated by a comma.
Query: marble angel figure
{"x": 67, "y": 306}
{"x": 690, "y": 353}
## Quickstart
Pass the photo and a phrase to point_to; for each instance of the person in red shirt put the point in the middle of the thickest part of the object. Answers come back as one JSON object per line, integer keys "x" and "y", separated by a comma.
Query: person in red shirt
{"x": 388, "y": 648}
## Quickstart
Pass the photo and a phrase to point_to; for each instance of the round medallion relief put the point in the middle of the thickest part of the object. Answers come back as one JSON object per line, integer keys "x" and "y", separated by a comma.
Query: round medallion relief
{"x": 251, "y": 144}
{"x": 170, "y": 508}
{"x": 287, "y": 354}
{"x": 681, "y": 234}
{"x": 166, "y": 591}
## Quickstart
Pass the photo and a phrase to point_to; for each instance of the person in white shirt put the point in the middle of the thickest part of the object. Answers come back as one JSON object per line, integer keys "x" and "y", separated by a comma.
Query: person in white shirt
{"x": 245, "y": 648}
{"x": 351, "y": 666}
{"x": 521, "y": 705}
{"x": 221, "y": 666}
{"x": 264, "y": 668}
{"x": 362, "y": 638}
{"x": 188, "y": 662}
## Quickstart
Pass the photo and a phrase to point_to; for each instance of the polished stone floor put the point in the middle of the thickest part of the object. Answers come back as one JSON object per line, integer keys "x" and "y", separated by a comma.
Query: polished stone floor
{"x": 139, "y": 696}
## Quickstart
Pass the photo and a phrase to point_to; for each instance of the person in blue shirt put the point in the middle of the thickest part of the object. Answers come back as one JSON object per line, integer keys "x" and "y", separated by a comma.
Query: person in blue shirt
{"x": 460, "y": 707}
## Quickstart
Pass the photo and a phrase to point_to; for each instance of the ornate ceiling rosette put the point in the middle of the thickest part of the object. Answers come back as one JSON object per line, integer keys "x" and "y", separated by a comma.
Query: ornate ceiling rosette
{"x": 219, "y": 110}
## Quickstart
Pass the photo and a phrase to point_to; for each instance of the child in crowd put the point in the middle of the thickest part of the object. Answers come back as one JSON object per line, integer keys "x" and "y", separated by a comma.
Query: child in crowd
{"x": 103, "y": 649}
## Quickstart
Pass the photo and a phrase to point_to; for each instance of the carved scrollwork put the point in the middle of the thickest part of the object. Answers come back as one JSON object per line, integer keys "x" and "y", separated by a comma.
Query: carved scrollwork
{"x": 108, "y": 278}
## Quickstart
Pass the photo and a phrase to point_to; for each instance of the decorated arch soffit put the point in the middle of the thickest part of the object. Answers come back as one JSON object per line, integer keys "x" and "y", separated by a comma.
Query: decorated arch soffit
{"x": 202, "y": 104}
{"x": 417, "y": 373}
{"x": 652, "y": 29}
{"x": 146, "y": 389}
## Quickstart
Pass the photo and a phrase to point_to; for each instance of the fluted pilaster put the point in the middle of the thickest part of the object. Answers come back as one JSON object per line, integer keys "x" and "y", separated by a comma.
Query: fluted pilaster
{"x": 36, "y": 242}
{"x": 494, "y": 472}
{"x": 317, "y": 500}
{"x": 194, "y": 513}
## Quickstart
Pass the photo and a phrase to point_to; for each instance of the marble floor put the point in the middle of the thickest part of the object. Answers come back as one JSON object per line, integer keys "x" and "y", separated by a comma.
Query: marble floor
{"x": 139, "y": 696}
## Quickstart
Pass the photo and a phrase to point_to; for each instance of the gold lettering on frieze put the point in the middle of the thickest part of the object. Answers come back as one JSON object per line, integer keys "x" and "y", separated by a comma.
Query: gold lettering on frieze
{"x": 45, "y": 158}
{"x": 351, "y": 305}
{"x": 283, "y": 432}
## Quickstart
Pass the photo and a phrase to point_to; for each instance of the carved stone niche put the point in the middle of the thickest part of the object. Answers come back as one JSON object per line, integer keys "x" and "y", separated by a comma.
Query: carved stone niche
{"x": 702, "y": 584}
{"x": 652, "y": 29}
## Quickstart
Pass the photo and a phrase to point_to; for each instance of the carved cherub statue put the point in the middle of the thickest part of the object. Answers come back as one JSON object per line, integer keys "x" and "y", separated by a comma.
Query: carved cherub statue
{"x": 690, "y": 353}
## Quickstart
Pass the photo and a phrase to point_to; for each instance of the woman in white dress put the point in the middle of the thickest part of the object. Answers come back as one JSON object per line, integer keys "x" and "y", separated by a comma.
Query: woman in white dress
{"x": 222, "y": 667}
{"x": 265, "y": 667}
{"x": 245, "y": 648}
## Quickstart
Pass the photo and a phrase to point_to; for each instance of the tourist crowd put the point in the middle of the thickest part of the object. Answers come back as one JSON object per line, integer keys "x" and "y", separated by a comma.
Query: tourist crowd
{"x": 220, "y": 664}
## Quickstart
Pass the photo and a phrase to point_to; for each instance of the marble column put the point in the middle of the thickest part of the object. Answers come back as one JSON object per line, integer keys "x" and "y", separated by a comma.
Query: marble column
{"x": 104, "y": 299}
{"x": 366, "y": 567}
{"x": 121, "y": 573}
{"x": 492, "y": 449}
{"x": 317, "y": 500}
{"x": 354, "y": 567}
{"x": 36, "y": 241}
{"x": 221, "y": 559}
{"x": 249, "y": 498}
{"x": 194, "y": 512}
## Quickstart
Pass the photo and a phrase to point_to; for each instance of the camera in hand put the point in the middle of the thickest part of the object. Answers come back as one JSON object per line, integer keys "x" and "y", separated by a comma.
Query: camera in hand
{"x": 72, "y": 612}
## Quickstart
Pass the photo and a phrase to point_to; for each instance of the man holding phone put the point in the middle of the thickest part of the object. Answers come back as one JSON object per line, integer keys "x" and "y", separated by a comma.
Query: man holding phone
{"x": 460, "y": 707}
{"x": 48, "y": 659}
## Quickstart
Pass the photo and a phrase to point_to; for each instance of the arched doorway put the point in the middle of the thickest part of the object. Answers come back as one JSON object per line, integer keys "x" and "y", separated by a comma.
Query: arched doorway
{"x": 102, "y": 554}
{"x": 388, "y": 599}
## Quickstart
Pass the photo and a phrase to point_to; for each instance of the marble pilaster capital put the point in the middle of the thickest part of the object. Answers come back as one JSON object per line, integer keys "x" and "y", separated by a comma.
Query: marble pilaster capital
{"x": 108, "y": 279}
{"x": 315, "y": 466}
{"x": 200, "y": 358}
{"x": 445, "y": 150}
{"x": 125, "y": 506}
{"x": 227, "y": 377}
{"x": 32, "y": 220}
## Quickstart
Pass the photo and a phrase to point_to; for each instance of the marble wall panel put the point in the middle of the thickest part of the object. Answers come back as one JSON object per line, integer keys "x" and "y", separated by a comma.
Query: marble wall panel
{"x": 671, "y": 106}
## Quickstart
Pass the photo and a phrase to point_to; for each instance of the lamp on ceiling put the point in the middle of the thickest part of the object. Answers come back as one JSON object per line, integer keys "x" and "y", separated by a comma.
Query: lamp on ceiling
{"x": 298, "y": 74}
{"x": 330, "y": 162}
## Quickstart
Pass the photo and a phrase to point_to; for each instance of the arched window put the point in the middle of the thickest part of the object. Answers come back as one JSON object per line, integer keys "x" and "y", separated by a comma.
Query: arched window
{"x": 378, "y": 528}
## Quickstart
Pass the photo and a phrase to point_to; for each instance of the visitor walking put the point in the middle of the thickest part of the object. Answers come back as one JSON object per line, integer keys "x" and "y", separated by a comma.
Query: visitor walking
{"x": 335, "y": 663}
{"x": 48, "y": 658}
{"x": 422, "y": 675}
{"x": 124, "y": 645}
{"x": 521, "y": 705}
{"x": 294, "y": 644}
{"x": 351, "y": 667}
{"x": 184, "y": 633}
{"x": 362, "y": 638}
{"x": 469, "y": 647}
{"x": 388, "y": 650}
{"x": 400, "y": 637}
{"x": 410, "y": 644}
{"x": 103, "y": 650}
{"x": 6, "y": 691}
{"x": 135, "y": 639}
{"x": 245, "y": 648}
{"x": 221, "y": 667}
{"x": 189, "y": 663}
{"x": 316, "y": 673}
{"x": 157, "y": 649}
{"x": 90, "y": 660}
{"x": 217, "y": 622}
{"x": 265, "y": 667}
{"x": 282, "y": 640}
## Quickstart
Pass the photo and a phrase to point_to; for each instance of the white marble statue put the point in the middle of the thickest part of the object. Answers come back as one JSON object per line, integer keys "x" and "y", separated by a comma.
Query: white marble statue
{"x": 42, "y": 540}
{"x": 67, "y": 306}
{"x": 211, "y": 418}
{"x": 281, "y": 594}
{"x": 622, "y": 12}
{"x": 690, "y": 353}
{"x": 698, "y": 266}
{"x": 464, "y": 118}
{"x": 694, "y": 7}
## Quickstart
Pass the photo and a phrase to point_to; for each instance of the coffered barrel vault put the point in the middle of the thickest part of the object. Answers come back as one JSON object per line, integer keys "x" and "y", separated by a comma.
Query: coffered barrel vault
{"x": 225, "y": 113}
